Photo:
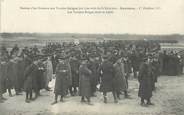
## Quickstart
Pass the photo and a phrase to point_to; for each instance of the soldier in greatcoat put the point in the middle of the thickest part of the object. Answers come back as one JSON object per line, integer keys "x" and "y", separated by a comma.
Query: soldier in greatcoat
{"x": 30, "y": 74}
{"x": 62, "y": 79}
{"x": 135, "y": 61}
{"x": 156, "y": 71}
{"x": 94, "y": 66}
{"x": 127, "y": 68}
{"x": 107, "y": 75}
{"x": 38, "y": 80}
{"x": 13, "y": 76}
{"x": 74, "y": 63}
{"x": 85, "y": 81}
{"x": 145, "y": 82}
{"x": 20, "y": 73}
{"x": 3, "y": 74}
{"x": 18, "y": 76}
{"x": 119, "y": 80}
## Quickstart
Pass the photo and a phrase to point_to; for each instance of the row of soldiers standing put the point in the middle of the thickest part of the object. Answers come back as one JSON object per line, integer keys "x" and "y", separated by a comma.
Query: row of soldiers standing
{"x": 110, "y": 70}
{"x": 87, "y": 74}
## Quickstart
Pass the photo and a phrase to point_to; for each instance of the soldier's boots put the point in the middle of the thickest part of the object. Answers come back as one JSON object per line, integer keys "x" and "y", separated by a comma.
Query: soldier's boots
{"x": 10, "y": 94}
{"x": 115, "y": 101}
{"x": 83, "y": 100}
{"x": 53, "y": 102}
{"x": 126, "y": 95}
{"x": 27, "y": 101}
{"x": 149, "y": 102}
{"x": 105, "y": 99}
{"x": 143, "y": 104}
{"x": 56, "y": 97}
{"x": 89, "y": 101}
{"x": 61, "y": 99}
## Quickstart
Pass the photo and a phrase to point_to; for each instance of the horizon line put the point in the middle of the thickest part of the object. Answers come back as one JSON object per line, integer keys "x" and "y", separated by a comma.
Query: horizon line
{"x": 87, "y": 33}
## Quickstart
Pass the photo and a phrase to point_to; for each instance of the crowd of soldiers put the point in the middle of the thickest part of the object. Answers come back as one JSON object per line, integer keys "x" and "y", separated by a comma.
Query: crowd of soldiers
{"x": 78, "y": 69}
{"x": 171, "y": 63}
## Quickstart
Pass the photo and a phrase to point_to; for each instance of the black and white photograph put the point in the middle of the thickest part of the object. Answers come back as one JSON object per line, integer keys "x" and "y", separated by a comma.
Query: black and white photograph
{"x": 77, "y": 58}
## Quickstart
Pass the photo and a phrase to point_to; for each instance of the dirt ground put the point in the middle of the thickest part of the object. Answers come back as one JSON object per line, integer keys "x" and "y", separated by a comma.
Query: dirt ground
{"x": 168, "y": 99}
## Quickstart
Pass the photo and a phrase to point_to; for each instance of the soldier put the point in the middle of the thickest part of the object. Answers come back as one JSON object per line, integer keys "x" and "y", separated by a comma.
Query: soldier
{"x": 62, "y": 79}
{"x": 20, "y": 74}
{"x": 3, "y": 74}
{"x": 119, "y": 80}
{"x": 74, "y": 63}
{"x": 180, "y": 68}
{"x": 165, "y": 60}
{"x": 135, "y": 59}
{"x": 54, "y": 59}
{"x": 94, "y": 66}
{"x": 172, "y": 67}
{"x": 161, "y": 64}
{"x": 30, "y": 74}
{"x": 84, "y": 81}
{"x": 12, "y": 76}
{"x": 38, "y": 80}
{"x": 145, "y": 82}
{"x": 127, "y": 68}
{"x": 107, "y": 76}
{"x": 178, "y": 64}
{"x": 156, "y": 71}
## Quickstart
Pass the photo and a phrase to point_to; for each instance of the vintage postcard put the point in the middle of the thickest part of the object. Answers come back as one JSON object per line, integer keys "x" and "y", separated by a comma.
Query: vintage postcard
{"x": 91, "y": 57}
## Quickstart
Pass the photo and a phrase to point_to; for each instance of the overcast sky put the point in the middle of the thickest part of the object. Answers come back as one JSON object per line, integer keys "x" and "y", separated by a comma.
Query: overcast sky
{"x": 168, "y": 19}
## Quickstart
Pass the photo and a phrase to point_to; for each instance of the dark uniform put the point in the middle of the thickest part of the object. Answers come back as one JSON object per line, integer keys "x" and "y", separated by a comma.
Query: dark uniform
{"x": 85, "y": 82}
{"x": 38, "y": 80}
{"x": 107, "y": 76}
{"x": 20, "y": 76}
{"x": 145, "y": 80}
{"x": 119, "y": 81}
{"x": 74, "y": 63}
{"x": 62, "y": 80}
{"x": 54, "y": 59}
{"x": 30, "y": 81}
{"x": 127, "y": 67}
{"x": 94, "y": 66}
{"x": 12, "y": 76}
{"x": 135, "y": 61}
{"x": 3, "y": 74}
{"x": 156, "y": 72}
